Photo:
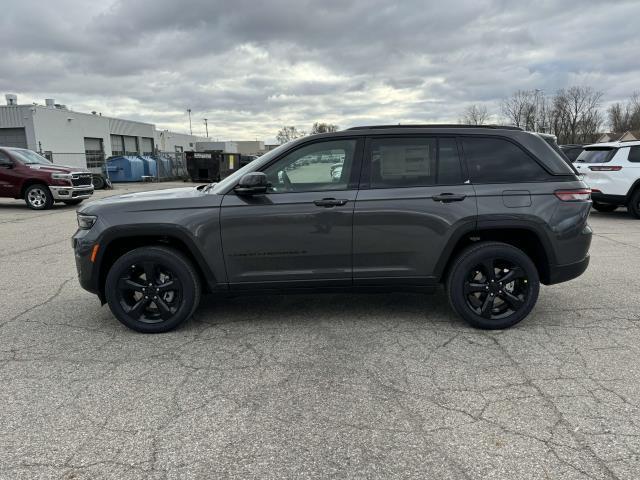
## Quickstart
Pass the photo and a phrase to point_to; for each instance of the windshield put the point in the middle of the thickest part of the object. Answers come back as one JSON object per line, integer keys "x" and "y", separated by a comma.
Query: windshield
{"x": 30, "y": 158}
{"x": 232, "y": 179}
{"x": 596, "y": 155}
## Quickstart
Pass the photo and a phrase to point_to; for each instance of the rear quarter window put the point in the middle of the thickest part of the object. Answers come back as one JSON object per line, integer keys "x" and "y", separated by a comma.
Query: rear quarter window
{"x": 597, "y": 155}
{"x": 495, "y": 160}
{"x": 634, "y": 154}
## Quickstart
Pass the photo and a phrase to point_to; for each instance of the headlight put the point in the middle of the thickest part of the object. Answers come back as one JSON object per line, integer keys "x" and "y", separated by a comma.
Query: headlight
{"x": 61, "y": 176}
{"x": 85, "y": 222}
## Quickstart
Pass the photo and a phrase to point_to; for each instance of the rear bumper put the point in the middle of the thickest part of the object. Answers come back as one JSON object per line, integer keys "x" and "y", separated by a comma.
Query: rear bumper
{"x": 71, "y": 193}
{"x": 606, "y": 198}
{"x": 563, "y": 273}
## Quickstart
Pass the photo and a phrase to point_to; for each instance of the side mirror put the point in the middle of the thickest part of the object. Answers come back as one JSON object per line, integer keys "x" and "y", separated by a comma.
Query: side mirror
{"x": 252, "y": 184}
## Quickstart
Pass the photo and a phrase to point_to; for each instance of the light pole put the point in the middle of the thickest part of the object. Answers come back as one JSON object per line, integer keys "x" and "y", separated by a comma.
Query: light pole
{"x": 206, "y": 127}
{"x": 189, "y": 112}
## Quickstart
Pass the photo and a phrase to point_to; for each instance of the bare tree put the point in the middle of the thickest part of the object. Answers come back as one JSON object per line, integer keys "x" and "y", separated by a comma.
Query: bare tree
{"x": 520, "y": 109}
{"x": 475, "y": 115}
{"x": 288, "y": 133}
{"x": 578, "y": 117}
{"x": 623, "y": 117}
{"x": 321, "y": 127}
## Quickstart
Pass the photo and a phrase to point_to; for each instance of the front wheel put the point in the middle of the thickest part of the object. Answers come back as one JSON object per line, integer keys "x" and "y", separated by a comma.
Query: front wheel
{"x": 38, "y": 197}
{"x": 152, "y": 289}
{"x": 493, "y": 285}
{"x": 604, "y": 207}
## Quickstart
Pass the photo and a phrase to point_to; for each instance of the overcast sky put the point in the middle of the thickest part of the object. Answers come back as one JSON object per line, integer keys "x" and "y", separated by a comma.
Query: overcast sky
{"x": 250, "y": 66}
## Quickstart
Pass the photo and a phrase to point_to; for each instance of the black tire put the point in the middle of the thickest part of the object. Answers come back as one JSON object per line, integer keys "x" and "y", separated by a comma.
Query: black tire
{"x": 73, "y": 202}
{"x": 131, "y": 299}
{"x": 634, "y": 204}
{"x": 98, "y": 182}
{"x": 470, "y": 289}
{"x": 604, "y": 207}
{"x": 38, "y": 197}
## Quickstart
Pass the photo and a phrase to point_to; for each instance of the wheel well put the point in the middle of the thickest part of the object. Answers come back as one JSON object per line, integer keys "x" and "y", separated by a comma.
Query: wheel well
{"x": 522, "y": 238}
{"x": 27, "y": 183}
{"x": 635, "y": 187}
{"x": 120, "y": 246}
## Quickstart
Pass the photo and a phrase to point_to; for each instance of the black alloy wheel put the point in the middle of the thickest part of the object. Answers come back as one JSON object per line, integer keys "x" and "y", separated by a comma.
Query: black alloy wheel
{"x": 493, "y": 285}
{"x": 152, "y": 289}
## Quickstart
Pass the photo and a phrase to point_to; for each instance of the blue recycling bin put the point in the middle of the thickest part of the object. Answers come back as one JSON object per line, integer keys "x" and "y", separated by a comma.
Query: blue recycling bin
{"x": 125, "y": 169}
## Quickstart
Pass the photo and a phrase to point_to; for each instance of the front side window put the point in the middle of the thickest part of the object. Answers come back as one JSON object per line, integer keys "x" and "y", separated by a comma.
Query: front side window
{"x": 316, "y": 167}
{"x": 414, "y": 162}
{"x": 495, "y": 160}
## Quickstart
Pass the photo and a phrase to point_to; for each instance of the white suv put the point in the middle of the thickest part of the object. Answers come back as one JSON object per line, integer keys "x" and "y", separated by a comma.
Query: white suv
{"x": 612, "y": 170}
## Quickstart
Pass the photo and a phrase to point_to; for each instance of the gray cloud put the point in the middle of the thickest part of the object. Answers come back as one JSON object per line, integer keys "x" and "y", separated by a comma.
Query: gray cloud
{"x": 251, "y": 66}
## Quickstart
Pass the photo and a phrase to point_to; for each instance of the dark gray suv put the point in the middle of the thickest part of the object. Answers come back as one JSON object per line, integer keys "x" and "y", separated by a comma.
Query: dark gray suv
{"x": 490, "y": 212}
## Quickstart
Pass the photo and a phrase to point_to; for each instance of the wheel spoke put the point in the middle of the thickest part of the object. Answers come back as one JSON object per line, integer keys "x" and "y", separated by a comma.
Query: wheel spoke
{"x": 511, "y": 299}
{"x": 513, "y": 274}
{"x": 149, "y": 272}
{"x": 163, "y": 308}
{"x": 137, "y": 309}
{"x": 474, "y": 287}
{"x": 487, "y": 306}
{"x": 168, "y": 285}
{"x": 489, "y": 269}
{"x": 128, "y": 284}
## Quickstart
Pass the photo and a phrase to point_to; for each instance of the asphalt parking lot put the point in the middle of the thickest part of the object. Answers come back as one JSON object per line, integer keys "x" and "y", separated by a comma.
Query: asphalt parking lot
{"x": 371, "y": 386}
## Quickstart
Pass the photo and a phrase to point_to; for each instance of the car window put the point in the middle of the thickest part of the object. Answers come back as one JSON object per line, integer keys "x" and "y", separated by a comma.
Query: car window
{"x": 414, "y": 162}
{"x": 597, "y": 155}
{"x": 634, "y": 154}
{"x": 495, "y": 160}
{"x": 319, "y": 166}
{"x": 4, "y": 159}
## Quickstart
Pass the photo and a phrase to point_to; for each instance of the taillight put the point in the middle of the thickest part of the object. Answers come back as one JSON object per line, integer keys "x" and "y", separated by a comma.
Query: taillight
{"x": 573, "y": 195}
{"x": 613, "y": 168}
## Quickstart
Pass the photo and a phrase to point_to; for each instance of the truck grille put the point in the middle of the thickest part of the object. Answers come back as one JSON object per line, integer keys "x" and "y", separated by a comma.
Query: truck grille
{"x": 81, "y": 179}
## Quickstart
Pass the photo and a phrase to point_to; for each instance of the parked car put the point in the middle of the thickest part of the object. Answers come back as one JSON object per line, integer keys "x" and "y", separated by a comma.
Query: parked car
{"x": 335, "y": 171}
{"x": 27, "y": 175}
{"x": 489, "y": 212}
{"x": 572, "y": 151}
{"x": 612, "y": 170}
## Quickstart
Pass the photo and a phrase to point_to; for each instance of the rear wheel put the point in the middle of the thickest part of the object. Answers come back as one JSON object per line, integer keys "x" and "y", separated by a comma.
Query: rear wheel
{"x": 634, "y": 204}
{"x": 493, "y": 285}
{"x": 604, "y": 207}
{"x": 98, "y": 182}
{"x": 152, "y": 289}
{"x": 38, "y": 197}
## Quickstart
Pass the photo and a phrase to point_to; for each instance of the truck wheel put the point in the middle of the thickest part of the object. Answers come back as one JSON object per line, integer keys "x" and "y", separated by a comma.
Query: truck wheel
{"x": 634, "y": 204}
{"x": 73, "y": 202}
{"x": 38, "y": 197}
{"x": 604, "y": 207}
{"x": 152, "y": 289}
{"x": 493, "y": 285}
{"x": 98, "y": 182}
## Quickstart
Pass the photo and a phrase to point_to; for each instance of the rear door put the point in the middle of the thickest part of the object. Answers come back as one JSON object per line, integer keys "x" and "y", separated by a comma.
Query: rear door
{"x": 413, "y": 204}
{"x": 10, "y": 178}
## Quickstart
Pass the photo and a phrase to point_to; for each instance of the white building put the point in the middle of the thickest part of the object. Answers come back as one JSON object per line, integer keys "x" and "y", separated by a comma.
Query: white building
{"x": 83, "y": 139}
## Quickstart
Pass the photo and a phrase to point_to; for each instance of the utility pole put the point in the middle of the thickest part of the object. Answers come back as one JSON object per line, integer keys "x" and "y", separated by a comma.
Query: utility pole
{"x": 190, "y": 130}
{"x": 206, "y": 127}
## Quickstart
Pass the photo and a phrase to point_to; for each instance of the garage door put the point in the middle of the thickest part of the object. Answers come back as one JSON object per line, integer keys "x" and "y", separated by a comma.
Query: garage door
{"x": 13, "y": 137}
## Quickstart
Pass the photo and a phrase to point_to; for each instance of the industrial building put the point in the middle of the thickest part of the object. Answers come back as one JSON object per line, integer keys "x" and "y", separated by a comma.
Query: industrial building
{"x": 83, "y": 139}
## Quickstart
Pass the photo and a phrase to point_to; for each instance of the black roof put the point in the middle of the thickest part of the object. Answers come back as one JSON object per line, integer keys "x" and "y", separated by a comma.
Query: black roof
{"x": 435, "y": 125}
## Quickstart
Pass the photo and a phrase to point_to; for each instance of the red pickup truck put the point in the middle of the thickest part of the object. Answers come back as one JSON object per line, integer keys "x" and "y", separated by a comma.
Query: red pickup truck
{"x": 25, "y": 174}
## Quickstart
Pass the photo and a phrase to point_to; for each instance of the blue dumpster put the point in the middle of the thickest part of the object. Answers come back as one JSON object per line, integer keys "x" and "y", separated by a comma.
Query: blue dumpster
{"x": 125, "y": 169}
{"x": 150, "y": 166}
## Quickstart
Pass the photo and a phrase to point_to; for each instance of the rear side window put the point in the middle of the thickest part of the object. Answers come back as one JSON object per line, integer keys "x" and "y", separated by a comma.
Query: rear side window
{"x": 414, "y": 162}
{"x": 494, "y": 160}
{"x": 634, "y": 154}
{"x": 597, "y": 155}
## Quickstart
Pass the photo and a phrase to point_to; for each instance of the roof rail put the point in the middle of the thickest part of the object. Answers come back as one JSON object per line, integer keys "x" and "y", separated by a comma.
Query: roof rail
{"x": 436, "y": 125}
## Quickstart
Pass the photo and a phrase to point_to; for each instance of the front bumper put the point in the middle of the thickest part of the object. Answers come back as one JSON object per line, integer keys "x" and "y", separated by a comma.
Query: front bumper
{"x": 82, "y": 243}
{"x": 71, "y": 193}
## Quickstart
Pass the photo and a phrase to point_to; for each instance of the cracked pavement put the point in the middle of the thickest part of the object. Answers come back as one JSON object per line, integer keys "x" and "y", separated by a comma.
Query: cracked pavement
{"x": 342, "y": 386}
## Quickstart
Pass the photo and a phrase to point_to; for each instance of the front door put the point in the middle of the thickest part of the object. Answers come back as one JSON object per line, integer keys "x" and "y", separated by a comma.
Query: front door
{"x": 298, "y": 234}
{"x": 9, "y": 179}
{"x": 413, "y": 205}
